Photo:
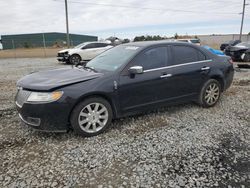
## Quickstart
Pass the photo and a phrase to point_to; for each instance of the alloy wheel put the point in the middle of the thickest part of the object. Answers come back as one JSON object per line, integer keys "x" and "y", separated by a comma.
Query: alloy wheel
{"x": 75, "y": 59}
{"x": 93, "y": 117}
{"x": 212, "y": 93}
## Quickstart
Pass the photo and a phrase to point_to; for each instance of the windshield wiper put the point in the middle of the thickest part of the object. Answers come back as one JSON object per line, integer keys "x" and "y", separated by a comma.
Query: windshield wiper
{"x": 90, "y": 68}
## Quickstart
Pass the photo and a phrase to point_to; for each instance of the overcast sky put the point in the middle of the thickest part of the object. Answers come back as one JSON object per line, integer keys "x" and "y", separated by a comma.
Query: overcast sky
{"x": 134, "y": 17}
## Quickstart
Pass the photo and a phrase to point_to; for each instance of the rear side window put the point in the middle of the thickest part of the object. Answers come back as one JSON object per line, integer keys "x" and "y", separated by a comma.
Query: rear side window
{"x": 186, "y": 54}
{"x": 92, "y": 45}
{"x": 152, "y": 58}
{"x": 101, "y": 45}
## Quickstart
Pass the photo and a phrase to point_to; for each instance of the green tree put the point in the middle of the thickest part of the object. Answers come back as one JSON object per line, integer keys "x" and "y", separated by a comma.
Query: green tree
{"x": 126, "y": 41}
{"x": 176, "y": 36}
{"x": 139, "y": 38}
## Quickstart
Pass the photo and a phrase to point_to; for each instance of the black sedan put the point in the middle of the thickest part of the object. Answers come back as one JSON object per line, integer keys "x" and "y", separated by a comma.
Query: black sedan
{"x": 126, "y": 80}
{"x": 239, "y": 52}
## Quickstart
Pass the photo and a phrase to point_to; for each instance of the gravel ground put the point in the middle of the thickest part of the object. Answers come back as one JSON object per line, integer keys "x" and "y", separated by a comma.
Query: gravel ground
{"x": 180, "y": 146}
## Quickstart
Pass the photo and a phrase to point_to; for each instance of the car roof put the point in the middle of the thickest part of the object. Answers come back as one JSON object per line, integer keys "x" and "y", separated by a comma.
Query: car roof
{"x": 153, "y": 43}
{"x": 145, "y": 44}
{"x": 93, "y": 42}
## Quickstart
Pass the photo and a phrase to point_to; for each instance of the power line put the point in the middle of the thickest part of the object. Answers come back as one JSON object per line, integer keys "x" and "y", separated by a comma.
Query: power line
{"x": 148, "y": 8}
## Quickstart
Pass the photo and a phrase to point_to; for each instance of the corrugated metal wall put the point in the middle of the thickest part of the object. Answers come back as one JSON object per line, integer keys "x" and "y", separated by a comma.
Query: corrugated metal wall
{"x": 42, "y": 39}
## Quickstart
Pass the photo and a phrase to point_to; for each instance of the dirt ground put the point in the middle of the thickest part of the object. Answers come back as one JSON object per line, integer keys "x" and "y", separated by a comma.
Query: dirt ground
{"x": 29, "y": 53}
{"x": 179, "y": 146}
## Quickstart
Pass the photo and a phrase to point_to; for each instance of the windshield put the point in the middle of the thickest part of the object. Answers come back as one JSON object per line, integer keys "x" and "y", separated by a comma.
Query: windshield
{"x": 80, "y": 45}
{"x": 246, "y": 44}
{"x": 112, "y": 59}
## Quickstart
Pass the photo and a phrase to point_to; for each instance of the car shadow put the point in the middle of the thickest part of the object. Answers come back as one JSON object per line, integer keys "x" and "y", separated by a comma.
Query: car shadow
{"x": 131, "y": 125}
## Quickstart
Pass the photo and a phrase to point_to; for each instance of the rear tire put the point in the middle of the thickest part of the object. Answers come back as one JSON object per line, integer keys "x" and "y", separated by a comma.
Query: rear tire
{"x": 210, "y": 93}
{"x": 91, "y": 117}
{"x": 75, "y": 59}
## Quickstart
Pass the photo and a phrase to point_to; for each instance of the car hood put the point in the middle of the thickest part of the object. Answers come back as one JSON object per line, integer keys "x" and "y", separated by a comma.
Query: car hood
{"x": 236, "y": 48}
{"x": 52, "y": 79}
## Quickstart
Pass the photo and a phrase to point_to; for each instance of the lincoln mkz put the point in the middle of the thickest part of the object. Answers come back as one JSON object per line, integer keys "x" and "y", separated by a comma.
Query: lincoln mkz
{"x": 125, "y": 80}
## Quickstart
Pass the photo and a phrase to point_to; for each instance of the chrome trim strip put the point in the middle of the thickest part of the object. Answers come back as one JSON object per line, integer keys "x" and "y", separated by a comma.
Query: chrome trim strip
{"x": 35, "y": 125}
{"x": 18, "y": 105}
{"x": 172, "y": 66}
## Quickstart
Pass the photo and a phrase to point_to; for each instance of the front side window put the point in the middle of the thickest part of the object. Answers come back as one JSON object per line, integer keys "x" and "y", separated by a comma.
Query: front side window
{"x": 80, "y": 45}
{"x": 186, "y": 54}
{"x": 152, "y": 58}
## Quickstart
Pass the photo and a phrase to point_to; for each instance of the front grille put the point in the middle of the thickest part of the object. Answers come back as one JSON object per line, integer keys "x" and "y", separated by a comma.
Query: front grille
{"x": 22, "y": 96}
{"x": 60, "y": 55}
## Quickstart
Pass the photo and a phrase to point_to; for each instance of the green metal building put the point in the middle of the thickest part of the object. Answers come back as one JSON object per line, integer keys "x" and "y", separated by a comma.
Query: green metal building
{"x": 43, "y": 40}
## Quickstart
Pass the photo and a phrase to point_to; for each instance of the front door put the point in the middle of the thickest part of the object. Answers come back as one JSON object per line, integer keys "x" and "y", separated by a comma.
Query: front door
{"x": 143, "y": 89}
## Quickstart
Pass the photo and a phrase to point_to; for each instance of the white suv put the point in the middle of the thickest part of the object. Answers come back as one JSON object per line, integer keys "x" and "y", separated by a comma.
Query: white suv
{"x": 83, "y": 52}
{"x": 194, "y": 41}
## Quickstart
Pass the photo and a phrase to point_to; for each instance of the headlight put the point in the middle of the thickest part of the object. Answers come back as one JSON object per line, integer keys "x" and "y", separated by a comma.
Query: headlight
{"x": 44, "y": 97}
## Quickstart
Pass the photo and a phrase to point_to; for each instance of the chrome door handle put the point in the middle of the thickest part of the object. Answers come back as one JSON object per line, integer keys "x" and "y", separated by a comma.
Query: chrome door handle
{"x": 205, "y": 68}
{"x": 166, "y": 76}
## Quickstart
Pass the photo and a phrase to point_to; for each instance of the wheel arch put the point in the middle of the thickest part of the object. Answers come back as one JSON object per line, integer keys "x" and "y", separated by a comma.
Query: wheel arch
{"x": 76, "y": 54}
{"x": 99, "y": 95}
{"x": 220, "y": 79}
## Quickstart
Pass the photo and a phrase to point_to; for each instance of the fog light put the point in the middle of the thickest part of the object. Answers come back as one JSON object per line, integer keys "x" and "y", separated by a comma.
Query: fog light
{"x": 30, "y": 120}
{"x": 33, "y": 121}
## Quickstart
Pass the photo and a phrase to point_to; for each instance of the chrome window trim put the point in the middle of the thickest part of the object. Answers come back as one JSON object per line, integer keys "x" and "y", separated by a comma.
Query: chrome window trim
{"x": 172, "y": 66}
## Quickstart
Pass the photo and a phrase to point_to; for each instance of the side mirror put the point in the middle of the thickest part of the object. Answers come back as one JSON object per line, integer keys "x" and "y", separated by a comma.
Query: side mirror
{"x": 135, "y": 70}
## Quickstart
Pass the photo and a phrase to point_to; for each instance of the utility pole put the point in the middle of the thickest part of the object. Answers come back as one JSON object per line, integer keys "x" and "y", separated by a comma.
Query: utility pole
{"x": 242, "y": 20}
{"x": 44, "y": 46}
{"x": 67, "y": 22}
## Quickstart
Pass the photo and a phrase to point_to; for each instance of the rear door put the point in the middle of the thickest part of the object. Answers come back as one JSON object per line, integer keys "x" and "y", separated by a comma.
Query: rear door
{"x": 189, "y": 69}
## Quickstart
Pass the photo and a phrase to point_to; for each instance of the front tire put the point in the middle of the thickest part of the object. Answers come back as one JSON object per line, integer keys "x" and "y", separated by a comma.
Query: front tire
{"x": 75, "y": 59}
{"x": 210, "y": 93}
{"x": 91, "y": 117}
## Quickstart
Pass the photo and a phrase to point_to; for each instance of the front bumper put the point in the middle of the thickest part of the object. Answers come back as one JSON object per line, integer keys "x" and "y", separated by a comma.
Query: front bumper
{"x": 235, "y": 55}
{"x": 49, "y": 117}
{"x": 63, "y": 57}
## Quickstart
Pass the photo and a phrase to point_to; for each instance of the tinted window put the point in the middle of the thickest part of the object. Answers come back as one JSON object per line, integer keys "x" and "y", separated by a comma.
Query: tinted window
{"x": 201, "y": 56}
{"x": 92, "y": 45}
{"x": 195, "y": 41}
{"x": 151, "y": 59}
{"x": 101, "y": 45}
{"x": 186, "y": 54}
